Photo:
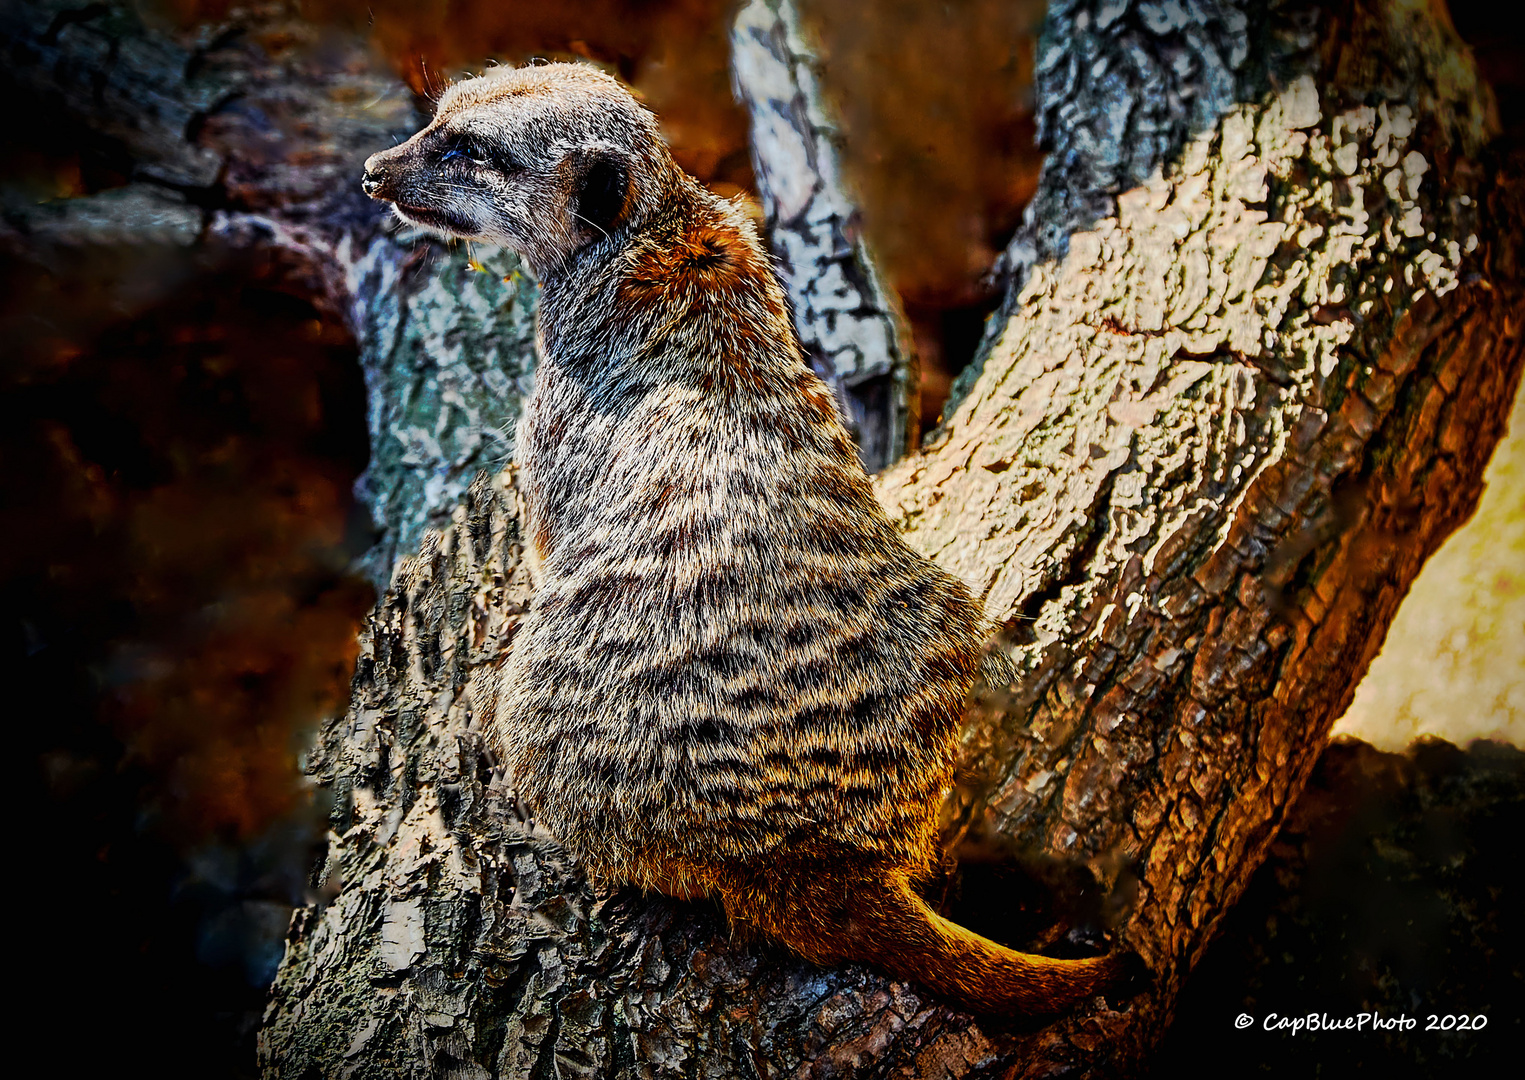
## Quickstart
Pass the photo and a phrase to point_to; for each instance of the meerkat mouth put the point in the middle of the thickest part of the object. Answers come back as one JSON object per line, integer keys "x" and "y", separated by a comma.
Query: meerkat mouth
{"x": 444, "y": 220}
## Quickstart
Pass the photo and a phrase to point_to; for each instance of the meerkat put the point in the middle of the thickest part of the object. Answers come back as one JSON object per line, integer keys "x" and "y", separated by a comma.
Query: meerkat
{"x": 736, "y": 679}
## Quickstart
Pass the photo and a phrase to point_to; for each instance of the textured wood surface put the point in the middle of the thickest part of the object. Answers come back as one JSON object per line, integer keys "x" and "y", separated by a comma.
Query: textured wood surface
{"x": 1211, "y": 447}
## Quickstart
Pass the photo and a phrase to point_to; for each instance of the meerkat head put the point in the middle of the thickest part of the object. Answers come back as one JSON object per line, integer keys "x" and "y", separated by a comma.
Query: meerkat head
{"x": 542, "y": 160}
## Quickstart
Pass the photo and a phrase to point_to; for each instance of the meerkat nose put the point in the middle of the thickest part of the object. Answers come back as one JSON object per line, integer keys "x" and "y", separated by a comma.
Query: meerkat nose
{"x": 375, "y": 175}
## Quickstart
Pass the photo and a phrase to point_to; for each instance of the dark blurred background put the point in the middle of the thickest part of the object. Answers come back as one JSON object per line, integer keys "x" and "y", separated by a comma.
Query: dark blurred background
{"x": 179, "y": 437}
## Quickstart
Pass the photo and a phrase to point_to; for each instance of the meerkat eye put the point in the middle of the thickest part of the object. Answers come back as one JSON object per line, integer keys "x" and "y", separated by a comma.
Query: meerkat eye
{"x": 468, "y": 149}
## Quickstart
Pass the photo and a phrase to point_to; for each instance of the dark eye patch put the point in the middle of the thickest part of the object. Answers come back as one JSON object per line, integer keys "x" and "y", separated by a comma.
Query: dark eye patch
{"x": 472, "y": 150}
{"x": 465, "y": 148}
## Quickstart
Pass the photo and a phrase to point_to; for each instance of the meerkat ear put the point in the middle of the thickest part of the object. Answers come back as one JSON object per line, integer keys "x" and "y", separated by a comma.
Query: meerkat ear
{"x": 602, "y": 187}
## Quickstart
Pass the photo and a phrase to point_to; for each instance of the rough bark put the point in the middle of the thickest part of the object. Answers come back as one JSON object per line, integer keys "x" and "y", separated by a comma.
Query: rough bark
{"x": 1219, "y": 432}
{"x": 1244, "y": 383}
{"x": 447, "y": 343}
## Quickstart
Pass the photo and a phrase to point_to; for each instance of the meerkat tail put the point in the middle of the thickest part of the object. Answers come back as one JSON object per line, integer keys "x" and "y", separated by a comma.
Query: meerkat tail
{"x": 888, "y": 925}
{"x": 980, "y": 974}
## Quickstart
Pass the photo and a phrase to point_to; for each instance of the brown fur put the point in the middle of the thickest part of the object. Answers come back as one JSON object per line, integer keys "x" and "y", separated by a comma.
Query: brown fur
{"x": 736, "y": 680}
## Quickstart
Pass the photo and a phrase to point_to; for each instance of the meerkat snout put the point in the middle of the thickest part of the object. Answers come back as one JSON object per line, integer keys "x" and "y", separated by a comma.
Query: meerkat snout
{"x": 372, "y": 183}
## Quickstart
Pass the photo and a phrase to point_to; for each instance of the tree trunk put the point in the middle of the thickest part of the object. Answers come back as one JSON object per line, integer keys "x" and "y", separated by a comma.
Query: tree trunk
{"x": 1230, "y": 413}
{"x": 1262, "y": 333}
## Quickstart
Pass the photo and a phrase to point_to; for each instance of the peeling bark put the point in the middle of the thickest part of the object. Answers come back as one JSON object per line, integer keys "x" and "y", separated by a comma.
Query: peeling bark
{"x": 1262, "y": 336}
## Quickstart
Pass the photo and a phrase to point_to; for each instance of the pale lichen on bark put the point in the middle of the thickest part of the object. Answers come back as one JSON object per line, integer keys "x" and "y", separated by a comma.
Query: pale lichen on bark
{"x": 447, "y": 344}
{"x": 850, "y": 325}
